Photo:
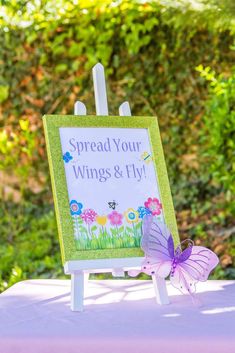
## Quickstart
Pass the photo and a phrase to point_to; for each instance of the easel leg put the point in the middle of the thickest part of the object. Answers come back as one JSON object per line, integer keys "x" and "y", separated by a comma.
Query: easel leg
{"x": 77, "y": 291}
{"x": 160, "y": 290}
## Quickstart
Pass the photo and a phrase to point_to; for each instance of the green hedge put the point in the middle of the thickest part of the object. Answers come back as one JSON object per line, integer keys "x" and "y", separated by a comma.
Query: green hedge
{"x": 150, "y": 52}
{"x": 219, "y": 130}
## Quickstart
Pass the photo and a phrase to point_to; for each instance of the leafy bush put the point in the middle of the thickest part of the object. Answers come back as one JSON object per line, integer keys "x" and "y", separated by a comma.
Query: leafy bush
{"x": 219, "y": 130}
{"x": 150, "y": 51}
{"x": 29, "y": 247}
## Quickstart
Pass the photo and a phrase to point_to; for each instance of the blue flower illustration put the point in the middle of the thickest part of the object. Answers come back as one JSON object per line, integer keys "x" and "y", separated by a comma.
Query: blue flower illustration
{"x": 67, "y": 157}
{"x": 143, "y": 211}
{"x": 75, "y": 208}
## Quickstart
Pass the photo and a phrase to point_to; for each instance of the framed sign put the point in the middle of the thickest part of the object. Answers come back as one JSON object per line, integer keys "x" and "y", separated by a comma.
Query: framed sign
{"x": 107, "y": 173}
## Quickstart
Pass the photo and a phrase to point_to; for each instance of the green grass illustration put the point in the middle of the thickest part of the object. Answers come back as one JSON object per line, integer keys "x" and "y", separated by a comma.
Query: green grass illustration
{"x": 93, "y": 238}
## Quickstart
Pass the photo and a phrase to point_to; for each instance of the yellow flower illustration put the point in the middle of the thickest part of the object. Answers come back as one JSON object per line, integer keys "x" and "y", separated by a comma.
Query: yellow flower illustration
{"x": 131, "y": 215}
{"x": 101, "y": 220}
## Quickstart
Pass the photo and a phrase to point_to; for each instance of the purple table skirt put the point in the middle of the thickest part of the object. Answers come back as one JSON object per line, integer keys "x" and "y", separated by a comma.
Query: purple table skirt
{"x": 120, "y": 316}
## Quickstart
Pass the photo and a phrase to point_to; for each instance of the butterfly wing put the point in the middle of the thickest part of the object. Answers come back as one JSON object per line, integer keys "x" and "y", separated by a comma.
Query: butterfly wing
{"x": 157, "y": 241}
{"x": 158, "y": 245}
{"x": 157, "y": 267}
{"x": 146, "y": 225}
{"x": 193, "y": 268}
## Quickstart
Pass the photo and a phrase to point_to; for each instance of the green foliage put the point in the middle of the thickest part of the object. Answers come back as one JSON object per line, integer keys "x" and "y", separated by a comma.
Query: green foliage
{"x": 29, "y": 246}
{"x": 150, "y": 50}
{"x": 17, "y": 149}
{"x": 4, "y": 93}
{"x": 219, "y": 130}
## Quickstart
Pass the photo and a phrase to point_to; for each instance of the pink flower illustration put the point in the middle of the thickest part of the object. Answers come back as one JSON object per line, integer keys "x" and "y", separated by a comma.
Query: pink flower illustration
{"x": 88, "y": 216}
{"x": 154, "y": 205}
{"x": 115, "y": 218}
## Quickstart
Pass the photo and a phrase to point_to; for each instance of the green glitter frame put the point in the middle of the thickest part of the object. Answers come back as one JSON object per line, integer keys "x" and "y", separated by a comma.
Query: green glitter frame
{"x": 51, "y": 124}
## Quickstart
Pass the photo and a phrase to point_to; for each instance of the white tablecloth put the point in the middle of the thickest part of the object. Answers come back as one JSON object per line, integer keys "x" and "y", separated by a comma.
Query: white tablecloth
{"x": 119, "y": 316}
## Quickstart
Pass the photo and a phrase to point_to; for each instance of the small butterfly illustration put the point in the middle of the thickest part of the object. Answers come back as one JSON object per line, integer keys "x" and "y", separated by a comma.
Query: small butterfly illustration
{"x": 185, "y": 267}
{"x": 146, "y": 157}
{"x": 67, "y": 157}
{"x": 113, "y": 204}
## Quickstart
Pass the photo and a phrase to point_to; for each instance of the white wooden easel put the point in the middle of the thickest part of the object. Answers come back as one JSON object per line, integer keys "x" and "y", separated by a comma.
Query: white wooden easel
{"x": 80, "y": 269}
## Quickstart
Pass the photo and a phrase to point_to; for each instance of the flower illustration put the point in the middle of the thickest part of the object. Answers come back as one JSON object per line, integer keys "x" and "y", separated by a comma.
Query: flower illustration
{"x": 131, "y": 215}
{"x": 75, "y": 208}
{"x": 115, "y": 218}
{"x": 67, "y": 157}
{"x": 101, "y": 220}
{"x": 154, "y": 205}
{"x": 143, "y": 211}
{"x": 88, "y": 216}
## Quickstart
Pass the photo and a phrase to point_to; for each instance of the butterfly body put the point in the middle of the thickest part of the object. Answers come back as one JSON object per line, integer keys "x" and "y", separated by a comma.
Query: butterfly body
{"x": 185, "y": 267}
{"x": 146, "y": 157}
{"x": 113, "y": 205}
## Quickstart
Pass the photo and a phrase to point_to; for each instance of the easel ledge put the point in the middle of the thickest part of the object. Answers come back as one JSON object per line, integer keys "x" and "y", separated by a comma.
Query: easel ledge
{"x": 103, "y": 265}
{"x": 80, "y": 270}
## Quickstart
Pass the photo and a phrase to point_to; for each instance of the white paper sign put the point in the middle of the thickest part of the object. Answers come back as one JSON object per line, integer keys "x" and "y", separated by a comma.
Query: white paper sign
{"x": 112, "y": 184}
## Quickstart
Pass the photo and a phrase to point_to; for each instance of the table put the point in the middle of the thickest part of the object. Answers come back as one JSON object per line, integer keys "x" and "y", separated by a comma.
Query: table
{"x": 120, "y": 316}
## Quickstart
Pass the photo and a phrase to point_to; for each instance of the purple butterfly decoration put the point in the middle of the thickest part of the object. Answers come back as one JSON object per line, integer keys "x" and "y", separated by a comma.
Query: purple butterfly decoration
{"x": 185, "y": 267}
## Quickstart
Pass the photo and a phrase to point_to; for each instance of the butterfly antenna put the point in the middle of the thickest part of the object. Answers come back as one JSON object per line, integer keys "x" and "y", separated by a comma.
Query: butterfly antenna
{"x": 188, "y": 241}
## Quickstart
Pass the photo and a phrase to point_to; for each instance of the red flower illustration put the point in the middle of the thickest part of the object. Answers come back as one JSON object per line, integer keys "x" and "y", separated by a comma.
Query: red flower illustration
{"x": 154, "y": 205}
{"x": 115, "y": 218}
{"x": 88, "y": 216}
